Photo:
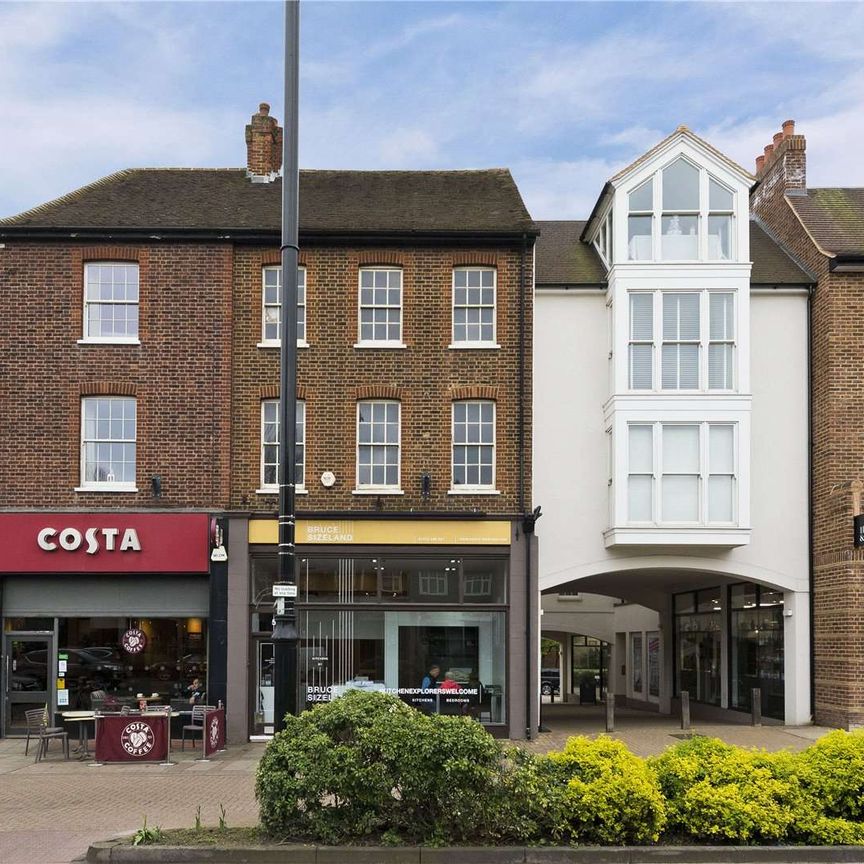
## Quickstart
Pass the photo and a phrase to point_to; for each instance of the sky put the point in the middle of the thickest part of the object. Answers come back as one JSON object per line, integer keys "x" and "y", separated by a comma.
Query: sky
{"x": 561, "y": 93}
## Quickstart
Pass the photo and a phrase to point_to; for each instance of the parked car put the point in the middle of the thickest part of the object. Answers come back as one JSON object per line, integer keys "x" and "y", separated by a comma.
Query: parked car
{"x": 550, "y": 681}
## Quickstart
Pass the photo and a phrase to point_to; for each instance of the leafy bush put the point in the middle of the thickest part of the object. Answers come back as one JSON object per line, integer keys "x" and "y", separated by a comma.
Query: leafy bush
{"x": 832, "y": 770}
{"x": 367, "y": 765}
{"x": 717, "y": 792}
{"x": 598, "y": 792}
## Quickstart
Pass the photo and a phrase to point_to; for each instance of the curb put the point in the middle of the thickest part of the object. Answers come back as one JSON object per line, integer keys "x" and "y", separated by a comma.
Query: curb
{"x": 122, "y": 853}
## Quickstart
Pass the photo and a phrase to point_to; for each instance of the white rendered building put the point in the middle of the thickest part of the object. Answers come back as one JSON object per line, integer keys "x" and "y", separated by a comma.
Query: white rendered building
{"x": 671, "y": 438}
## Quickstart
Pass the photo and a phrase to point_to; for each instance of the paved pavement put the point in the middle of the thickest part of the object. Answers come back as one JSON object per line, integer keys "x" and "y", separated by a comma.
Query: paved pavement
{"x": 51, "y": 812}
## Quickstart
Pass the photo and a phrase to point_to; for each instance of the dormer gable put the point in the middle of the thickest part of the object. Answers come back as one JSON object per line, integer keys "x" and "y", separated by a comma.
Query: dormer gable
{"x": 682, "y": 202}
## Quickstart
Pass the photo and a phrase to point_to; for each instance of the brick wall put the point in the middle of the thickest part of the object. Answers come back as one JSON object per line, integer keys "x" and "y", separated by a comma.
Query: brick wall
{"x": 837, "y": 392}
{"x": 180, "y": 374}
{"x": 426, "y": 375}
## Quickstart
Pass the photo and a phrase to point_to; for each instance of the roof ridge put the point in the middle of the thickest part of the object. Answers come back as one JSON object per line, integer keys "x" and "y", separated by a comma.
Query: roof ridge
{"x": 844, "y": 188}
{"x": 687, "y": 132}
{"x": 69, "y": 196}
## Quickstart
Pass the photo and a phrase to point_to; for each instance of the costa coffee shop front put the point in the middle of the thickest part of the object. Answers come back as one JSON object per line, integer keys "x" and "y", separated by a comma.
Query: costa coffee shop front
{"x": 112, "y": 604}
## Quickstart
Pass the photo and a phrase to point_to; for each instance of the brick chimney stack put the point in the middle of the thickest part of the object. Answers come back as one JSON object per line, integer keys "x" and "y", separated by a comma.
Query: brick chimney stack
{"x": 783, "y": 167}
{"x": 263, "y": 144}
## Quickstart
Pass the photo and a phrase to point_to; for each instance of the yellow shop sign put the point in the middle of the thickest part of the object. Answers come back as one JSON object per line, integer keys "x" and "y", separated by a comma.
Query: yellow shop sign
{"x": 410, "y": 532}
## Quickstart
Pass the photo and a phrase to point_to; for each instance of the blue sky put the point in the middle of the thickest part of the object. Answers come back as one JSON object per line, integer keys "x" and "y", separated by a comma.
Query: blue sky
{"x": 561, "y": 93}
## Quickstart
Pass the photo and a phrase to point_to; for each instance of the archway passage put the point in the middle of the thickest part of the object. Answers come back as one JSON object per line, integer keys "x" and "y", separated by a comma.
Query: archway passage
{"x": 730, "y": 643}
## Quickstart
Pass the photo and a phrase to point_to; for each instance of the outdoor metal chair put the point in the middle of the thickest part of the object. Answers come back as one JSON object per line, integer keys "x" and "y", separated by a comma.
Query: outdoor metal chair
{"x": 37, "y": 727}
{"x": 196, "y": 726}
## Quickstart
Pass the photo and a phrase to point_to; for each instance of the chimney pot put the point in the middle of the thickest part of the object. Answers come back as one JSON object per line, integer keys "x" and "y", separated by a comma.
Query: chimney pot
{"x": 788, "y": 128}
{"x": 778, "y": 137}
{"x": 769, "y": 149}
{"x": 264, "y": 109}
{"x": 760, "y": 163}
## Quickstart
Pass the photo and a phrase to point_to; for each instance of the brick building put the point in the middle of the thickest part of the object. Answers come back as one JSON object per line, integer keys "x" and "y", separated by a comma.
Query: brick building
{"x": 139, "y": 352}
{"x": 824, "y": 229}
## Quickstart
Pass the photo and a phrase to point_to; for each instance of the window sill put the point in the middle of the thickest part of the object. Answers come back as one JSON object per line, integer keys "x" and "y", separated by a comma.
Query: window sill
{"x": 385, "y": 345}
{"x": 274, "y": 490}
{"x": 107, "y": 487}
{"x": 384, "y": 490}
{"x": 269, "y": 343}
{"x": 654, "y": 535}
{"x": 470, "y": 491}
{"x": 95, "y": 340}
{"x": 474, "y": 346}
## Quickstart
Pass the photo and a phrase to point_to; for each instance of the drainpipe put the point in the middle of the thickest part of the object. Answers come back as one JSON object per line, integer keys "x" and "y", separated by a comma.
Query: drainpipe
{"x": 810, "y": 520}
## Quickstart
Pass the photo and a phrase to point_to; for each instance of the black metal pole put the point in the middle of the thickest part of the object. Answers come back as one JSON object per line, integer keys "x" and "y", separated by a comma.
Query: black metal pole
{"x": 285, "y": 620}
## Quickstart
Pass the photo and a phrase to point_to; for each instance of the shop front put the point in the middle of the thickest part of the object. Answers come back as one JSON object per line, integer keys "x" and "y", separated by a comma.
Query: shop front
{"x": 102, "y": 609}
{"x": 431, "y": 612}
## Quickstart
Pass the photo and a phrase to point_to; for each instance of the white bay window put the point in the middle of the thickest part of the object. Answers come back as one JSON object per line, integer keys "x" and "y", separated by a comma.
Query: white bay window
{"x": 681, "y": 329}
{"x": 681, "y": 473}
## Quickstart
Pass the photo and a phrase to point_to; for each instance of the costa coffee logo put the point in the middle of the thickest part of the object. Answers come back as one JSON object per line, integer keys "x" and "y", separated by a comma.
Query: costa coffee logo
{"x": 137, "y": 739}
{"x": 134, "y": 641}
{"x": 71, "y": 539}
{"x": 214, "y": 732}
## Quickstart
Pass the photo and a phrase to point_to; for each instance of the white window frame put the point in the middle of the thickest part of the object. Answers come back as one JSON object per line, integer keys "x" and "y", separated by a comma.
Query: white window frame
{"x": 371, "y": 488}
{"x": 657, "y": 213}
{"x": 474, "y": 343}
{"x": 105, "y": 485}
{"x": 704, "y": 475}
{"x": 480, "y": 488}
{"x": 87, "y": 338}
{"x": 270, "y": 342}
{"x": 704, "y": 342}
{"x": 299, "y": 481}
{"x": 380, "y": 343}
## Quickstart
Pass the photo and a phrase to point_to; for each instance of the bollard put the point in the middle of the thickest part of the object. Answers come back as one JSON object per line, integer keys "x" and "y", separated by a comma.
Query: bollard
{"x": 756, "y": 696}
{"x": 610, "y": 712}
{"x": 685, "y": 710}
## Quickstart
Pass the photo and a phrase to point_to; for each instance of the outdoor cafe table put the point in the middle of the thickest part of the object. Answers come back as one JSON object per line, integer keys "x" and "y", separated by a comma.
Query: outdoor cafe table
{"x": 144, "y": 737}
{"x": 82, "y": 718}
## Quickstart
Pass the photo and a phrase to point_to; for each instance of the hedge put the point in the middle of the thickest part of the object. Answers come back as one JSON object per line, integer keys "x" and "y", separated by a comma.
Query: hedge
{"x": 366, "y": 768}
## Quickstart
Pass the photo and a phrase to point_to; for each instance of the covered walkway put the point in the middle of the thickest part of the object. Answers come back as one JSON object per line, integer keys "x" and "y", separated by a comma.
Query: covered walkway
{"x": 647, "y": 733}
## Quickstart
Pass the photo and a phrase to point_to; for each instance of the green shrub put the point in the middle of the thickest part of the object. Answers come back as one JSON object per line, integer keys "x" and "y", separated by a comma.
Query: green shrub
{"x": 832, "y": 770}
{"x": 367, "y": 765}
{"x": 598, "y": 792}
{"x": 719, "y": 793}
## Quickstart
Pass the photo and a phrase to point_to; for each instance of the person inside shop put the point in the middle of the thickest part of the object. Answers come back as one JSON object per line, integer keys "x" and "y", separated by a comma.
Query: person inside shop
{"x": 450, "y": 682}
{"x": 195, "y": 691}
{"x": 430, "y": 679}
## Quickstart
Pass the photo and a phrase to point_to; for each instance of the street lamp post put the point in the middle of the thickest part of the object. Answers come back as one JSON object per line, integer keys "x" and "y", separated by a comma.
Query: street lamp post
{"x": 285, "y": 618}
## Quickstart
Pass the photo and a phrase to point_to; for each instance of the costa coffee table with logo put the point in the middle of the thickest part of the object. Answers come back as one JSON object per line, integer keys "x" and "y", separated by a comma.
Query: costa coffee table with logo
{"x": 82, "y": 718}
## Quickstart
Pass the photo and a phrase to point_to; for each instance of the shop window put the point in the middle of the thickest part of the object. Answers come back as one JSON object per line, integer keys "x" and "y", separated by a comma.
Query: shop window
{"x": 757, "y": 651}
{"x": 119, "y": 658}
{"x": 397, "y": 651}
{"x": 636, "y": 663}
{"x": 698, "y": 627}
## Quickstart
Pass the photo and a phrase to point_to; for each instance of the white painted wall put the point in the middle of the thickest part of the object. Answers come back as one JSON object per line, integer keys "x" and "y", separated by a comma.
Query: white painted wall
{"x": 570, "y": 471}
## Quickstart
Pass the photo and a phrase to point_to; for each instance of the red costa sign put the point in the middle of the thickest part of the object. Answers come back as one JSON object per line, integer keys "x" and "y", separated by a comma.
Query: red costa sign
{"x": 104, "y": 543}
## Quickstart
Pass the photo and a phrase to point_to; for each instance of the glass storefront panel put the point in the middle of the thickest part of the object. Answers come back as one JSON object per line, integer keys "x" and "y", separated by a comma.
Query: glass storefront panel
{"x": 636, "y": 662}
{"x": 122, "y": 657}
{"x": 653, "y": 663}
{"x": 698, "y": 644}
{"x": 757, "y": 649}
{"x": 449, "y": 662}
{"x": 439, "y": 579}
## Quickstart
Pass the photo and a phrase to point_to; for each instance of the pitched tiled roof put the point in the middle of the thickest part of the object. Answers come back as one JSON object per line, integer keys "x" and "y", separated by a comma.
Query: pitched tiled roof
{"x": 331, "y": 202}
{"x": 562, "y": 259}
{"x": 834, "y": 217}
